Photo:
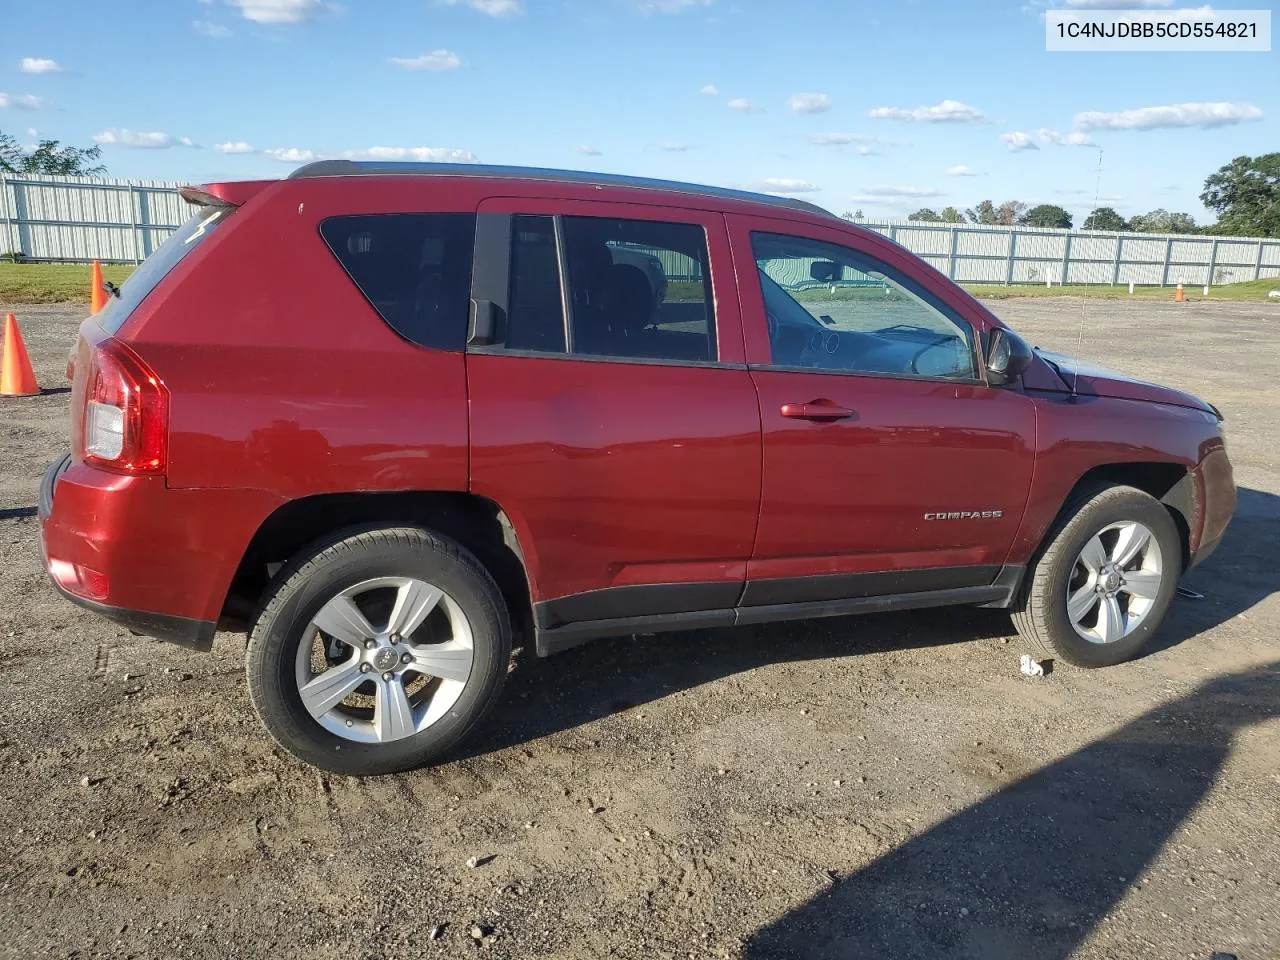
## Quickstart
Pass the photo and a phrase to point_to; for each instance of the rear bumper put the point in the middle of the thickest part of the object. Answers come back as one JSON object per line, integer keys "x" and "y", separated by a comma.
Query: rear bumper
{"x": 67, "y": 546}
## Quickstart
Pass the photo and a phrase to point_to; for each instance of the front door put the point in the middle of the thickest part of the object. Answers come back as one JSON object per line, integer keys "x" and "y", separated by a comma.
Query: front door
{"x": 889, "y": 465}
{"x": 613, "y": 417}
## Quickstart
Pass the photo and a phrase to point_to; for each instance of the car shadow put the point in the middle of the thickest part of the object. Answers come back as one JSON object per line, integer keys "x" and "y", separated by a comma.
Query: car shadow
{"x": 1030, "y": 871}
{"x": 604, "y": 677}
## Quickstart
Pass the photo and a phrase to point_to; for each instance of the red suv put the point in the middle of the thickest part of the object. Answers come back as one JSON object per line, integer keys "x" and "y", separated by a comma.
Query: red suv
{"x": 388, "y": 417}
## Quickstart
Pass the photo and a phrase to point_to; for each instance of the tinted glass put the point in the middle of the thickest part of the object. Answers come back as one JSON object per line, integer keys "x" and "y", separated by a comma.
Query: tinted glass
{"x": 154, "y": 269}
{"x": 414, "y": 268}
{"x": 832, "y": 308}
{"x": 535, "y": 310}
{"x": 639, "y": 289}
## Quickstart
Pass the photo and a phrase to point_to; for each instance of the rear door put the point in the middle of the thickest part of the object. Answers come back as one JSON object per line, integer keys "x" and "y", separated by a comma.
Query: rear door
{"x": 889, "y": 464}
{"x": 611, "y": 412}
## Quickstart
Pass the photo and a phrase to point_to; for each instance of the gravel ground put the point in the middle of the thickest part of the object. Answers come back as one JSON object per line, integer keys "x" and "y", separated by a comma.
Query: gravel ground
{"x": 886, "y": 786}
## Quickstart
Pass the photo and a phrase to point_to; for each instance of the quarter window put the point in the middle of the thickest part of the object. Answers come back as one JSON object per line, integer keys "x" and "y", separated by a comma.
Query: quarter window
{"x": 414, "y": 268}
{"x": 831, "y": 308}
{"x": 637, "y": 289}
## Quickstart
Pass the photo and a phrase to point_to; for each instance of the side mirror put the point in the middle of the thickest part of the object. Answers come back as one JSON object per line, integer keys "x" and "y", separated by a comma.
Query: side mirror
{"x": 1007, "y": 357}
{"x": 824, "y": 270}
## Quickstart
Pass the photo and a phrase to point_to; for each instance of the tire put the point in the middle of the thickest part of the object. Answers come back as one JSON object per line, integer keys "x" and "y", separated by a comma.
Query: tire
{"x": 1109, "y": 513}
{"x": 378, "y": 569}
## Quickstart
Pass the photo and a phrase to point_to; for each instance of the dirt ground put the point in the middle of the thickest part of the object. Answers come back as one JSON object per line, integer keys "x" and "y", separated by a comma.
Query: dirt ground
{"x": 886, "y": 786}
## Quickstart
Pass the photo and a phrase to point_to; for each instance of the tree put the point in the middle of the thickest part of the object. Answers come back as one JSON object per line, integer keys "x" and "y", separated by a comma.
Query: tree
{"x": 984, "y": 212}
{"x": 1162, "y": 221}
{"x": 987, "y": 212}
{"x": 49, "y": 157}
{"x": 1105, "y": 218}
{"x": 951, "y": 215}
{"x": 1046, "y": 215}
{"x": 852, "y": 215}
{"x": 1246, "y": 196}
{"x": 924, "y": 213}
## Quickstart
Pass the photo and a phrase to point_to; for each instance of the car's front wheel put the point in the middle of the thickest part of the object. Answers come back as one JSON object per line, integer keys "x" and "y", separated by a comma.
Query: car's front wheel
{"x": 1101, "y": 587}
{"x": 377, "y": 651}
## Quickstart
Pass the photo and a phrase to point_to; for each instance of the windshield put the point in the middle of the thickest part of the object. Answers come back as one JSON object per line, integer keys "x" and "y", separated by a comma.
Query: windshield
{"x": 154, "y": 269}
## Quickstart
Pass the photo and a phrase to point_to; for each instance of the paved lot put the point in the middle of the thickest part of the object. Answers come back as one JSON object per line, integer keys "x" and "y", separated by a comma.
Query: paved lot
{"x": 879, "y": 787}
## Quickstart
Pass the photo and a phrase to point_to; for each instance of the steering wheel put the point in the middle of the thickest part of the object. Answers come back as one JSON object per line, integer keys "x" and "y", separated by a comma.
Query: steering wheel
{"x": 818, "y": 347}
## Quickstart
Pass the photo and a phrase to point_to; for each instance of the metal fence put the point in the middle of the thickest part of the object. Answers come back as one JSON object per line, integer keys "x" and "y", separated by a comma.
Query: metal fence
{"x": 80, "y": 219}
{"x": 971, "y": 253}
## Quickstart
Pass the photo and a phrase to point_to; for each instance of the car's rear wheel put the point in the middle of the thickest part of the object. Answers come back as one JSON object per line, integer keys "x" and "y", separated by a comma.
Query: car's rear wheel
{"x": 1101, "y": 587}
{"x": 378, "y": 650}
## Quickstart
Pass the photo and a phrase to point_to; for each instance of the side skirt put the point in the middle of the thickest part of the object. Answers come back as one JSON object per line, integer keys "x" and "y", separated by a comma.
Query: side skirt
{"x": 555, "y": 639}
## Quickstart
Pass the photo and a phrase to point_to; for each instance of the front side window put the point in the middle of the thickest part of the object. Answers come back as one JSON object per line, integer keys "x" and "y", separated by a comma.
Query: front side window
{"x": 832, "y": 308}
{"x": 635, "y": 289}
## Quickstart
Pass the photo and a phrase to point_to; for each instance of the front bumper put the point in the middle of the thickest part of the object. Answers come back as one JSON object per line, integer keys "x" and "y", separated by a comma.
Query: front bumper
{"x": 185, "y": 631}
{"x": 1216, "y": 502}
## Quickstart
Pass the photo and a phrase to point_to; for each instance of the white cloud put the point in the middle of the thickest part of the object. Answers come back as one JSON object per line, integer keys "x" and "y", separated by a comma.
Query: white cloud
{"x": 418, "y": 154}
{"x": 1118, "y": 4}
{"x": 1073, "y": 139}
{"x": 120, "y": 137}
{"x": 40, "y": 65}
{"x": 743, "y": 105}
{"x": 210, "y": 29}
{"x": 290, "y": 155}
{"x": 959, "y": 170}
{"x": 886, "y": 191}
{"x": 238, "y": 147}
{"x": 710, "y": 90}
{"x": 809, "y": 103}
{"x": 1204, "y": 115}
{"x": 280, "y": 11}
{"x": 20, "y": 101}
{"x": 492, "y": 8}
{"x": 668, "y": 6}
{"x": 672, "y": 146}
{"x": 435, "y": 60}
{"x": 1018, "y": 141}
{"x": 948, "y": 111}
{"x": 785, "y": 185}
{"x": 587, "y": 151}
{"x": 32, "y": 132}
{"x": 865, "y": 151}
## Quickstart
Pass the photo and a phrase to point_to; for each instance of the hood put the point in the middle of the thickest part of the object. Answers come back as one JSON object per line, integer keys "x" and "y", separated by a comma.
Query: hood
{"x": 1098, "y": 381}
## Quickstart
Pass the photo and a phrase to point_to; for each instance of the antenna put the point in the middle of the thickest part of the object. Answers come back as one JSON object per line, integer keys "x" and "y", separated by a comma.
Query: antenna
{"x": 1075, "y": 374}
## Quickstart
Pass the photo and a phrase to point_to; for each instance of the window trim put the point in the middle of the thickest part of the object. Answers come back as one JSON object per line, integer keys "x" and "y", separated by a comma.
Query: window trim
{"x": 481, "y": 291}
{"x": 973, "y": 334}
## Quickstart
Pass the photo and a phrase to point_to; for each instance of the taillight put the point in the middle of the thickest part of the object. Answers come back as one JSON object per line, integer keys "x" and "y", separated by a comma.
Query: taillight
{"x": 126, "y": 413}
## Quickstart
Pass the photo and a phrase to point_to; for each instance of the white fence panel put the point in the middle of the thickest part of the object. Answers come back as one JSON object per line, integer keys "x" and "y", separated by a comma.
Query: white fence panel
{"x": 81, "y": 218}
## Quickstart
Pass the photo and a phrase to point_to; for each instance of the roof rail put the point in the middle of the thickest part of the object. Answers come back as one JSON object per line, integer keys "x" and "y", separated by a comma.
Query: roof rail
{"x": 378, "y": 168}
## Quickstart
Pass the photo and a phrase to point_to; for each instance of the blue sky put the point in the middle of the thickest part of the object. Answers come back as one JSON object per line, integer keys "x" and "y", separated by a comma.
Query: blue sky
{"x": 883, "y": 106}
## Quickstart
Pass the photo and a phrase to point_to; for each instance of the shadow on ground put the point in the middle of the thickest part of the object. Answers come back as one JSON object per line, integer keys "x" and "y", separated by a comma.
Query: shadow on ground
{"x": 543, "y": 697}
{"x": 1030, "y": 871}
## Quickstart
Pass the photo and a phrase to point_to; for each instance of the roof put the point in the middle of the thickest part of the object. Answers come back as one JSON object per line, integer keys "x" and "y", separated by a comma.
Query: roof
{"x": 375, "y": 168}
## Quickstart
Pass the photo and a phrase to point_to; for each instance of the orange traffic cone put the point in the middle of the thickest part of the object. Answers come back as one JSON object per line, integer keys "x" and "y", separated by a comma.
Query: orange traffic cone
{"x": 97, "y": 293}
{"x": 17, "y": 379}
{"x": 1178, "y": 295}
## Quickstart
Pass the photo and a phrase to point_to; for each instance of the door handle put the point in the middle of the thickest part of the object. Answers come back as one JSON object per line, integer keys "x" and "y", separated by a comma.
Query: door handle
{"x": 821, "y": 410}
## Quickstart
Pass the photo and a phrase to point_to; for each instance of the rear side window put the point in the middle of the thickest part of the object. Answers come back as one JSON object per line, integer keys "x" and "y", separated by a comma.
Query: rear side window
{"x": 636, "y": 289}
{"x": 157, "y": 266}
{"x": 413, "y": 268}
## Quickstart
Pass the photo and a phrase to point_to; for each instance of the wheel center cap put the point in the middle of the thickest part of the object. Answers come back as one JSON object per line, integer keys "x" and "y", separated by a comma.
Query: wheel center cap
{"x": 385, "y": 659}
{"x": 1111, "y": 581}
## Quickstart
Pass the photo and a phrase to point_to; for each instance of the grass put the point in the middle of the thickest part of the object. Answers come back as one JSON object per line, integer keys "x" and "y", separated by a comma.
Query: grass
{"x": 1255, "y": 290}
{"x": 53, "y": 282}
